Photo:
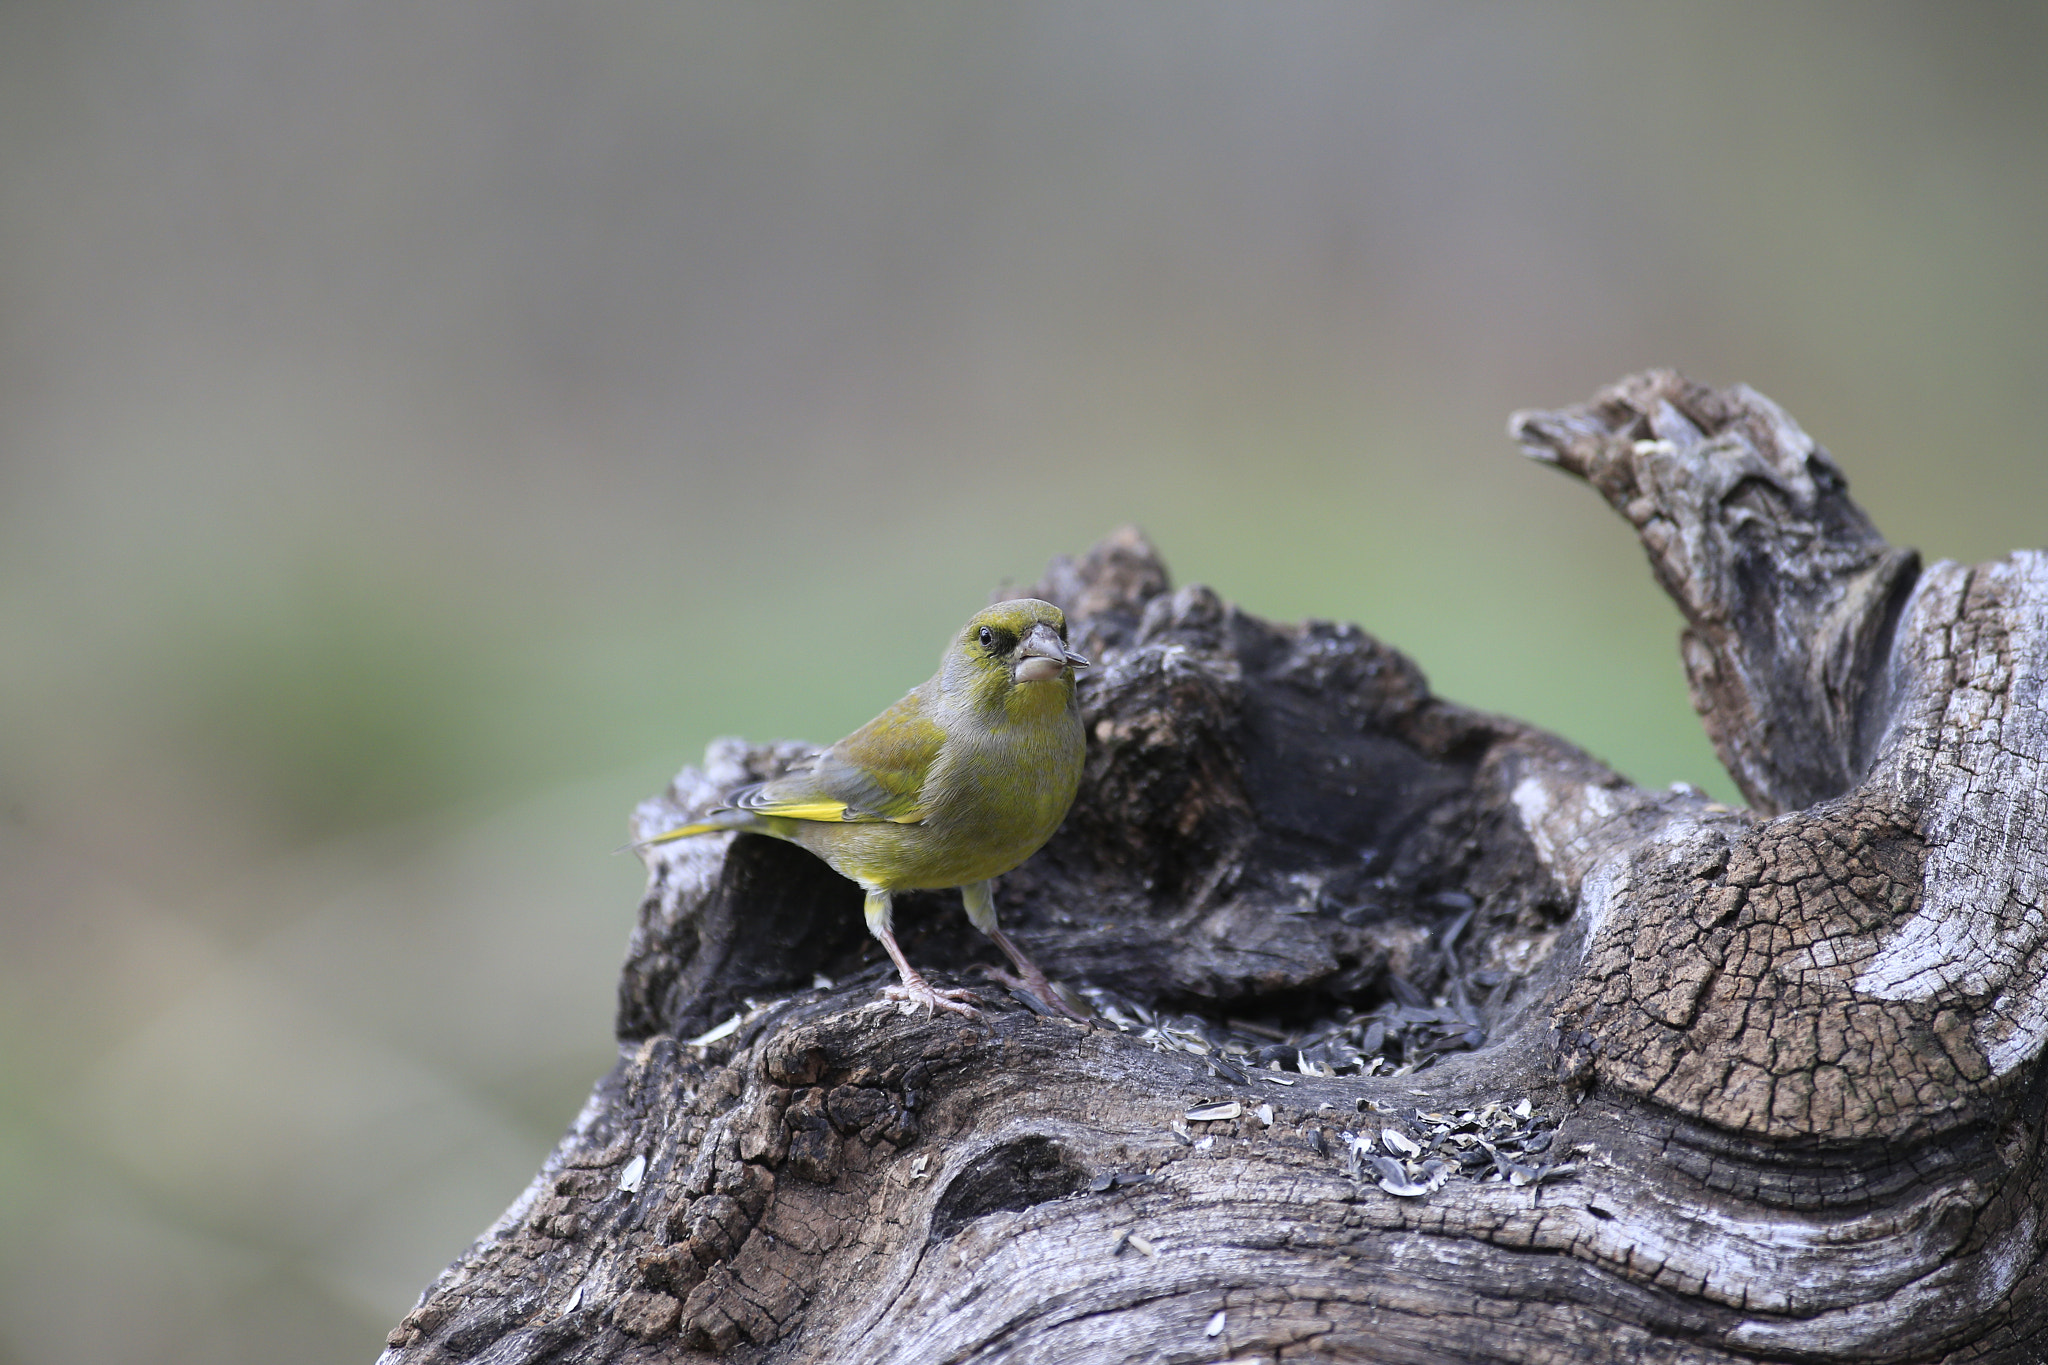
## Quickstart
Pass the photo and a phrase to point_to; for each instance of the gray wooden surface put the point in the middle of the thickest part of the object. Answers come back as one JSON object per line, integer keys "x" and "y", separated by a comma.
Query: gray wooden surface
{"x": 1650, "y": 1078}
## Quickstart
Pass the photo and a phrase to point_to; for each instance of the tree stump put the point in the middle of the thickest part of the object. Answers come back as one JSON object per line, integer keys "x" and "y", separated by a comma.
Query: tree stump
{"x": 1423, "y": 1036}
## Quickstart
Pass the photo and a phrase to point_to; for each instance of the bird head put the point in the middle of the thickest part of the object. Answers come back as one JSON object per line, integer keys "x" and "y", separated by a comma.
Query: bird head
{"x": 1015, "y": 644}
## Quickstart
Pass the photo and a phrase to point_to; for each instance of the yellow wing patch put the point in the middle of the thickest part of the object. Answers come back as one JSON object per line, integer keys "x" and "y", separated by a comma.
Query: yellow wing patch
{"x": 797, "y": 797}
{"x": 800, "y": 809}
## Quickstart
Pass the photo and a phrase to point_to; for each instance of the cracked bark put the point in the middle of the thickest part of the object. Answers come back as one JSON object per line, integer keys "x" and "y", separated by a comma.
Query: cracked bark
{"x": 1783, "y": 1064}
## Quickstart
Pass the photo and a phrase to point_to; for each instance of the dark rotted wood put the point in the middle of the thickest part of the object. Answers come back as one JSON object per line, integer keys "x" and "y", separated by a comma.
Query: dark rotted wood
{"x": 1782, "y": 1066}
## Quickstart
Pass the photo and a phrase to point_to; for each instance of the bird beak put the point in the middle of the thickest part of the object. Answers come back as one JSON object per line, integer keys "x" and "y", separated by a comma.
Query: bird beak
{"x": 1042, "y": 655}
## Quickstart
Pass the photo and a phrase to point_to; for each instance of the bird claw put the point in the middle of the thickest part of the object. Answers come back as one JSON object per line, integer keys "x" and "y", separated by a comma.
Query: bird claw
{"x": 1038, "y": 988}
{"x": 916, "y": 992}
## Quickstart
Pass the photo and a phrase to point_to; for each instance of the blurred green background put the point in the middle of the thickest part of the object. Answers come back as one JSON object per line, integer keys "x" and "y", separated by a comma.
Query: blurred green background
{"x": 423, "y": 427}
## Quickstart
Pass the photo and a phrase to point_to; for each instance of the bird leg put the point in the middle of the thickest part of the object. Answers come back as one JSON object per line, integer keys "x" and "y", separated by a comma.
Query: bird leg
{"x": 980, "y": 900}
{"x": 915, "y": 988}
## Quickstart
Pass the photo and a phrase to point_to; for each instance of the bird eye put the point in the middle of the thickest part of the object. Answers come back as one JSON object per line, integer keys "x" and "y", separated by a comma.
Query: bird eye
{"x": 988, "y": 638}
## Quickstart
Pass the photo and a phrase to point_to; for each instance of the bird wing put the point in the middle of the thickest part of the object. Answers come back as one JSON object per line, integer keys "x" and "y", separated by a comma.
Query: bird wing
{"x": 876, "y": 774}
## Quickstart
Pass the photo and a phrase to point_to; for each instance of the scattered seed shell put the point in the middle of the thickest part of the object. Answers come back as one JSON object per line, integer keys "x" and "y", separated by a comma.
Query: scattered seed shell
{"x": 1398, "y": 1142}
{"x": 1214, "y": 1113}
{"x": 713, "y": 1034}
{"x": 636, "y": 1170}
{"x": 1394, "y": 1179}
{"x": 1215, "y": 1327}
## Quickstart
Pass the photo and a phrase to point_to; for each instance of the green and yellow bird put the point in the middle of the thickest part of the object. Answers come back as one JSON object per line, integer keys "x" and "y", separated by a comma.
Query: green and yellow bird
{"x": 954, "y": 785}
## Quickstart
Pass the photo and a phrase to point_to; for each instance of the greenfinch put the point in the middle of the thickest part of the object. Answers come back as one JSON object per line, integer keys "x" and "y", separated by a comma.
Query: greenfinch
{"x": 954, "y": 785}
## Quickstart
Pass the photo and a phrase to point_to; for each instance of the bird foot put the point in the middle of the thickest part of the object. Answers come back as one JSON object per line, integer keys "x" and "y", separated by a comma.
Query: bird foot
{"x": 1038, "y": 987}
{"x": 916, "y": 991}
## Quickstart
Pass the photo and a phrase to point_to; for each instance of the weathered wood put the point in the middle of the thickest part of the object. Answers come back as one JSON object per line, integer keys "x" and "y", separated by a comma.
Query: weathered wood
{"x": 1783, "y": 1066}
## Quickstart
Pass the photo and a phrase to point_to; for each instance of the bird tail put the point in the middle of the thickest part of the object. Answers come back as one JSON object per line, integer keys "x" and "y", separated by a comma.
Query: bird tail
{"x": 725, "y": 821}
